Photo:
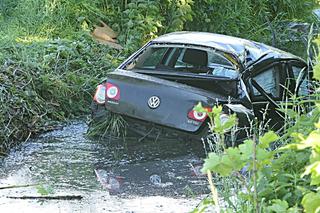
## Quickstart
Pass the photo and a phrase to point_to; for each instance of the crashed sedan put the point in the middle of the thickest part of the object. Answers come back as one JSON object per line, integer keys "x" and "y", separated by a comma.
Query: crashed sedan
{"x": 155, "y": 89}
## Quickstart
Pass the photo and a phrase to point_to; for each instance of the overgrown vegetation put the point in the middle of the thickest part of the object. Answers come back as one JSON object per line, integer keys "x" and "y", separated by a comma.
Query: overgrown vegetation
{"x": 268, "y": 172}
{"x": 47, "y": 81}
{"x": 49, "y": 66}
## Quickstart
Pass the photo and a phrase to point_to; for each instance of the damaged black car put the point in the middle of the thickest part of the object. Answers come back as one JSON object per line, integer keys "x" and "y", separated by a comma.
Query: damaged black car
{"x": 155, "y": 89}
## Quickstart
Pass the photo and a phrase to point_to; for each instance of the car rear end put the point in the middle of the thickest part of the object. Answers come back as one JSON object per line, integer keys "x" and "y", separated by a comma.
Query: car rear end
{"x": 153, "y": 100}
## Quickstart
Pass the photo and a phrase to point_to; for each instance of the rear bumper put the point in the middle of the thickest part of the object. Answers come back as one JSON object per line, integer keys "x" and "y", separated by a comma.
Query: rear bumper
{"x": 145, "y": 128}
{"x": 149, "y": 129}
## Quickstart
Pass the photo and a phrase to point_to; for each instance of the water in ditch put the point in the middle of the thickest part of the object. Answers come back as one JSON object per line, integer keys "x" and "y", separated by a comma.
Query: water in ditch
{"x": 111, "y": 175}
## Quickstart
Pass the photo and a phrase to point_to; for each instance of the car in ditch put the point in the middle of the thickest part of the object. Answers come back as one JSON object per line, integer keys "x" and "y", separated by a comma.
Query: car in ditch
{"x": 156, "y": 89}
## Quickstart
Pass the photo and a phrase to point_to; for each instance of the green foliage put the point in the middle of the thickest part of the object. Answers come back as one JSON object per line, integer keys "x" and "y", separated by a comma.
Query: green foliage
{"x": 278, "y": 206}
{"x": 247, "y": 18}
{"x": 316, "y": 68}
{"x": 233, "y": 159}
{"x": 278, "y": 179}
{"x": 142, "y": 20}
{"x": 140, "y": 23}
{"x": 311, "y": 202}
{"x": 48, "y": 81}
{"x": 49, "y": 67}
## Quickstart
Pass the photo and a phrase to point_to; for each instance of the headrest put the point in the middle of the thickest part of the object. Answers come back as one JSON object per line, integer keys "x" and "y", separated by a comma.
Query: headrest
{"x": 196, "y": 57}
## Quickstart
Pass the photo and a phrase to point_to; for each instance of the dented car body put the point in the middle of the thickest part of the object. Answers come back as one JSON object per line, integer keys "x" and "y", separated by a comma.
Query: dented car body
{"x": 157, "y": 87}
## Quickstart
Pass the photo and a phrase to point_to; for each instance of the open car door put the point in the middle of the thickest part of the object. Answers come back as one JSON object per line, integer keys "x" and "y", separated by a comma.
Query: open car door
{"x": 268, "y": 86}
{"x": 275, "y": 83}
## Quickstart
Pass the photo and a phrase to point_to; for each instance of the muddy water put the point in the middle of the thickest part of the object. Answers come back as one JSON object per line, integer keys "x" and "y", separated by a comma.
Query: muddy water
{"x": 151, "y": 176}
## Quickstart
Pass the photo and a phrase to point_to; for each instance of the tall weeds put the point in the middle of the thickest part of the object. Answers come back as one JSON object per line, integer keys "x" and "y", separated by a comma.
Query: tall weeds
{"x": 48, "y": 81}
{"x": 49, "y": 65}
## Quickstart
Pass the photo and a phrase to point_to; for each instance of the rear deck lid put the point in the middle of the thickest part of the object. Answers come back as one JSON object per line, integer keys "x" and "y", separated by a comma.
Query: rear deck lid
{"x": 159, "y": 101}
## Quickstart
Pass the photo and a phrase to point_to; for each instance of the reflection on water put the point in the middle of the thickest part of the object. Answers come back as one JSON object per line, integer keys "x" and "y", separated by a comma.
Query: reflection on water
{"x": 66, "y": 160}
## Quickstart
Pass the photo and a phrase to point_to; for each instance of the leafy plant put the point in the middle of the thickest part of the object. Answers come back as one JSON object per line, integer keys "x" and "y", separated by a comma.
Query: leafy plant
{"x": 265, "y": 21}
{"x": 48, "y": 81}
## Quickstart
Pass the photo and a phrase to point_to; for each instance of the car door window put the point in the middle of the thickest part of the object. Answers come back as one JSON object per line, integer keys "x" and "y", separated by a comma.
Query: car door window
{"x": 150, "y": 58}
{"x": 215, "y": 59}
{"x": 269, "y": 81}
{"x": 220, "y": 66}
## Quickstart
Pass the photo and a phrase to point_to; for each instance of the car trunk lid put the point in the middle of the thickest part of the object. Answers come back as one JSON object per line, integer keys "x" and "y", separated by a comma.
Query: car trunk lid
{"x": 158, "y": 100}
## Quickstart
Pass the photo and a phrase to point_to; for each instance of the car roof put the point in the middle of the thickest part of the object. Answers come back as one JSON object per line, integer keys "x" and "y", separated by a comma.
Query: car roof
{"x": 236, "y": 46}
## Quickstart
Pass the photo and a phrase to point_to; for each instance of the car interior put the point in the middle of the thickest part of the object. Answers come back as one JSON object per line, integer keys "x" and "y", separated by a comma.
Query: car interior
{"x": 184, "y": 60}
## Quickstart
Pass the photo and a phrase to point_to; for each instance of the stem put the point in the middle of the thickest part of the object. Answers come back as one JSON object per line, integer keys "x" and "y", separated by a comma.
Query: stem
{"x": 227, "y": 195}
{"x": 255, "y": 194}
{"x": 213, "y": 190}
{"x": 18, "y": 186}
{"x": 244, "y": 182}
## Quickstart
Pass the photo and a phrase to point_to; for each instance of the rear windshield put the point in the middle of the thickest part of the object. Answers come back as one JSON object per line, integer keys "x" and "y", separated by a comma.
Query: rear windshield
{"x": 184, "y": 59}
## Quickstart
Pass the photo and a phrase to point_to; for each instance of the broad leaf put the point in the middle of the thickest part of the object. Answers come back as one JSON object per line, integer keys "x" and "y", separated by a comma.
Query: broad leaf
{"x": 278, "y": 206}
{"x": 246, "y": 150}
{"x": 211, "y": 162}
{"x": 268, "y": 138}
{"x": 314, "y": 170}
{"x": 235, "y": 157}
{"x": 311, "y": 202}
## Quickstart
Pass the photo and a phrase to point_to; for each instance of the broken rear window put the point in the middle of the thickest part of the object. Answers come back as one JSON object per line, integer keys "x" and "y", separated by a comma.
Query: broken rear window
{"x": 201, "y": 61}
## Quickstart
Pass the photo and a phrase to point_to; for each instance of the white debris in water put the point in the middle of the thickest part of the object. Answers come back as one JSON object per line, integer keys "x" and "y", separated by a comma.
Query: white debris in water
{"x": 171, "y": 175}
{"x": 108, "y": 180}
{"x": 155, "y": 179}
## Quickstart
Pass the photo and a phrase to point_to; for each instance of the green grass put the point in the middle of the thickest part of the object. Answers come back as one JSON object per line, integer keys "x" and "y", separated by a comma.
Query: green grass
{"x": 49, "y": 64}
{"x": 45, "y": 81}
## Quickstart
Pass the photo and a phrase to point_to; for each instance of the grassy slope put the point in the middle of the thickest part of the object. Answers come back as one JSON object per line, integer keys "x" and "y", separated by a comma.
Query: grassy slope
{"x": 49, "y": 64}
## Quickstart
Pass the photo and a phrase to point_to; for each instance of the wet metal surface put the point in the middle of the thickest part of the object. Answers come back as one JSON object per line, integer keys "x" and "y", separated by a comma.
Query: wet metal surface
{"x": 111, "y": 175}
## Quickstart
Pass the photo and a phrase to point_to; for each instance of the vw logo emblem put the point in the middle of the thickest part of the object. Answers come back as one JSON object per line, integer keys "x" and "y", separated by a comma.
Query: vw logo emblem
{"x": 154, "y": 102}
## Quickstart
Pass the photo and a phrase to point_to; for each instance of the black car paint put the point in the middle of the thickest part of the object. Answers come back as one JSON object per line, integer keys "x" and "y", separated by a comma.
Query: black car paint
{"x": 179, "y": 92}
{"x": 176, "y": 99}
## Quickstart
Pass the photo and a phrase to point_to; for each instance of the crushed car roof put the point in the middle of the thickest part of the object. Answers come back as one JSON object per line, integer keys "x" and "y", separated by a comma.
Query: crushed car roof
{"x": 240, "y": 47}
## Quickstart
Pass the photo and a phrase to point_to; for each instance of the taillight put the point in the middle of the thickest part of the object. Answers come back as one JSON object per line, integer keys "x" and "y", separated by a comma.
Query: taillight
{"x": 197, "y": 116}
{"x": 100, "y": 95}
{"x": 113, "y": 92}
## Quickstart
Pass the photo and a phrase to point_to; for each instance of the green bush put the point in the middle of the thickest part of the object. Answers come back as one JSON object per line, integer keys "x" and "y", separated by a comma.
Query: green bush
{"x": 49, "y": 64}
{"x": 48, "y": 81}
{"x": 265, "y": 21}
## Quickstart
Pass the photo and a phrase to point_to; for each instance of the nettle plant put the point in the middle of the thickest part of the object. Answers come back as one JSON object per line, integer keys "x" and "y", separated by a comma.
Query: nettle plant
{"x": 263, "y": 175}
